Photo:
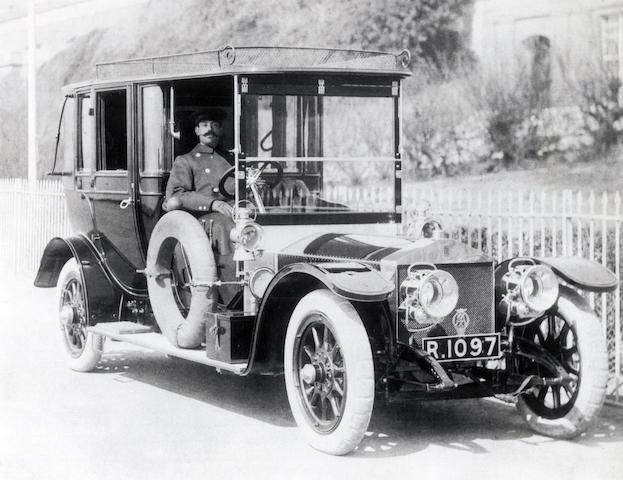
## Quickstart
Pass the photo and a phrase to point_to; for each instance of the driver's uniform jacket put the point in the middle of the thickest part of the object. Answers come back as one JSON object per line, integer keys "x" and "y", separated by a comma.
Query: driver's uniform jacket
{"x": 195, "y": 177}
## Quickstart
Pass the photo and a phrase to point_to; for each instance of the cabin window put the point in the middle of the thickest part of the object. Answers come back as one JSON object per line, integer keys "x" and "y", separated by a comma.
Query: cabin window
{"x": 153, "y": 117}
{"x": 67, "y": 137}
{"x": 112, "y": 145}
{"x": 85, "y": 144}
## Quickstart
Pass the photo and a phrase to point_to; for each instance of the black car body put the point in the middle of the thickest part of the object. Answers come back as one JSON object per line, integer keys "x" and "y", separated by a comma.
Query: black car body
{"x": 314, "y": 276}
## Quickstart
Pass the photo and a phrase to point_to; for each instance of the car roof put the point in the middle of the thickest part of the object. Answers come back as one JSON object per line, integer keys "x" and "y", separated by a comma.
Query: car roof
{"x": 251, "y": 60}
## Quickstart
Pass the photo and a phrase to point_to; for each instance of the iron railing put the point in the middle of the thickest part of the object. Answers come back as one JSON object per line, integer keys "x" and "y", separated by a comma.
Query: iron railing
{"x": 501, "y": 223}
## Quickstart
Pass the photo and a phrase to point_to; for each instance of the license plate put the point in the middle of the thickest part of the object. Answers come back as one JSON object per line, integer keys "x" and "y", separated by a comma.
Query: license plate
{"x": 466, "y": 347}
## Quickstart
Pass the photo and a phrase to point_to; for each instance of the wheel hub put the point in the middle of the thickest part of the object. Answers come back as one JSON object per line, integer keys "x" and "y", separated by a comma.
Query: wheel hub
{"x": 320, "y": 373}
{"x": 309, "y": 374}
{"x": 67, "y": 316}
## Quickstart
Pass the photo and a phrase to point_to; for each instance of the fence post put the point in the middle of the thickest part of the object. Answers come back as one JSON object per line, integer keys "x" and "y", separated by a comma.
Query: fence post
{"x": 565, "y": 219}
{"x": 543, "y": 201}
{"x": 520, "y": 250}
{"x": 509, "y": 233}
{"x": 490, "y": 223}
{"x": 554, "y": 223}
{"x": 617, "y": 303}
{"x": 604, "y": 257}
{"x": 579, "y": 207}
{"x": 499, "y": 215}
{"x": 480, "y": 211}
{"x": 591, "y": 237}
{"x": 531, "y": 223}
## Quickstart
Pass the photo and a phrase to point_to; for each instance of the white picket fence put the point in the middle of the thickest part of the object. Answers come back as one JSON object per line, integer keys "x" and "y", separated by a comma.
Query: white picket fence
{"x": 501, "y": 223}
{"x": 29, "y": 218}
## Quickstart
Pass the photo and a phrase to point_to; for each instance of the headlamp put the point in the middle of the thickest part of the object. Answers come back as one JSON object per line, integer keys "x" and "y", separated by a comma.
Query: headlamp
{"x": 259, "y": 280}
{"x": 439, "y": 293}
{"x": 247, "y": 235}
{"x": 530, "y": 289}
{"x": 539, "y": 288}
{"x": 427, "y": 296}
{"x": 251, "y": 236}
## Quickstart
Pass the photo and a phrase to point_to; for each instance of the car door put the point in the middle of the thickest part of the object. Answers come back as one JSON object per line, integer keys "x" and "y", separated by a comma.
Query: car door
{"x": 111, "y": 187}
{"x": 154, "y": 144}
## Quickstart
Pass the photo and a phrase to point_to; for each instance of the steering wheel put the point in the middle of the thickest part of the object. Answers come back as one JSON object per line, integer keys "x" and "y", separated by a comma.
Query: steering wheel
{"x": 253, "y": 178}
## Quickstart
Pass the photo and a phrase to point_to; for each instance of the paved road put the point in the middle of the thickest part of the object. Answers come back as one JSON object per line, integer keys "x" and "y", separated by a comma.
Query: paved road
{"x": 144, "y": 416}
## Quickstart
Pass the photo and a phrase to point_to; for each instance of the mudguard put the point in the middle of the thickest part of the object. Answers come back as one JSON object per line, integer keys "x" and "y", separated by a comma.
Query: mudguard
{"x": 101, "y": 297}
{"x": 351, "y": 280}
{"x": 578, "y": 272}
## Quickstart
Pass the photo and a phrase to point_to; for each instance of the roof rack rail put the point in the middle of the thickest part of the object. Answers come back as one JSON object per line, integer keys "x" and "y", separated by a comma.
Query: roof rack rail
{"x": 232, "y": 59}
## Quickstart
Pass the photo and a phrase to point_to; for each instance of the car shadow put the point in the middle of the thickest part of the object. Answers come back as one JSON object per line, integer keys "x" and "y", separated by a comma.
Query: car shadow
{"x": 402, "y": 428}
{"x": 396, "y": 429}
{"x": 261, "y": 397}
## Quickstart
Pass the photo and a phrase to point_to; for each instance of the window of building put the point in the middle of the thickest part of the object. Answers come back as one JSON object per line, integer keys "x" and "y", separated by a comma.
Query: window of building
{"x": 611, "y": 43}
{"x": 540, "y": 70}
{"x": 112, "y": 145}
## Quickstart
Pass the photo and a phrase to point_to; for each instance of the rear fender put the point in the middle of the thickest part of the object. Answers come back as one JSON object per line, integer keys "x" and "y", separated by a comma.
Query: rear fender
{"x": 101, "y": 297}
{"x": 363, "y": 286}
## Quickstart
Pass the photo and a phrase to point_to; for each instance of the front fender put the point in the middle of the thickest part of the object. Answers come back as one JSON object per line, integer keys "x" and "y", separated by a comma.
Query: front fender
{"x": 579, "y": 272}
{"x": 353, "y": 281}
{"x": 582, "y": 273}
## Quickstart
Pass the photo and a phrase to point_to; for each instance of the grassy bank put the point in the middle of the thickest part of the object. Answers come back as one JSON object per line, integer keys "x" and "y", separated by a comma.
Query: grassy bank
{"x": 600, "y": 176}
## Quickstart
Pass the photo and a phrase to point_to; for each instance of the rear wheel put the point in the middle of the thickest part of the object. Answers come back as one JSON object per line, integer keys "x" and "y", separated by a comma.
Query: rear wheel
{"x": 572, "y": 334}
{"x": 329, "y": 372}
{"x": 83, "y": 349}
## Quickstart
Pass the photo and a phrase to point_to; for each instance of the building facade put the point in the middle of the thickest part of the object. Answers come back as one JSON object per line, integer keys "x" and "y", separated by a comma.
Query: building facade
{"x": 549, "y": 36}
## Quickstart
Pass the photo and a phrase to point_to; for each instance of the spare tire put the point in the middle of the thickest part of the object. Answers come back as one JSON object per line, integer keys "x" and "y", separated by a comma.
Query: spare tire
{"x": 177, "y": 234}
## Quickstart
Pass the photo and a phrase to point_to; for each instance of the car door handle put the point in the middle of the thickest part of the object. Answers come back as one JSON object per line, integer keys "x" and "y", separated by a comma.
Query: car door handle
{"x": 125, "y": 203}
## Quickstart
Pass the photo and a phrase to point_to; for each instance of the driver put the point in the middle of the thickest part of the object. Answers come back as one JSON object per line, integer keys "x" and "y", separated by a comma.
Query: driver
{"x": 193, "y": 184}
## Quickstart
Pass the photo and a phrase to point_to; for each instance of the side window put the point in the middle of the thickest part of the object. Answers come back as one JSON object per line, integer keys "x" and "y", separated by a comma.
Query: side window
{"x": 112, "y": 128}
{"x": 85, "y": 145}
{"x": 153, "y": 118}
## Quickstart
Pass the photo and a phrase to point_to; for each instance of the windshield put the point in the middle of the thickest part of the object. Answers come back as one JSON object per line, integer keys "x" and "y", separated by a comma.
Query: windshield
{"x": 327, "y": 153}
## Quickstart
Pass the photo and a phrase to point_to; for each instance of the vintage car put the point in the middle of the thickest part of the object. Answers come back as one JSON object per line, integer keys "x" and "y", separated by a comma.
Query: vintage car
{"x": 314, "y": 276}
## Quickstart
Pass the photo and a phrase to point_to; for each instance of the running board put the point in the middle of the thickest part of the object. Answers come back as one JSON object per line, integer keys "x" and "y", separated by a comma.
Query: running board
{"x": 143, "y": 336}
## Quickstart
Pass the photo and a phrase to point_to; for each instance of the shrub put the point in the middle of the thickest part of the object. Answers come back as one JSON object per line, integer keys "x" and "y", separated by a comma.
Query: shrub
{"x": 598, "y": 90}
{"x": 513, "y": 108}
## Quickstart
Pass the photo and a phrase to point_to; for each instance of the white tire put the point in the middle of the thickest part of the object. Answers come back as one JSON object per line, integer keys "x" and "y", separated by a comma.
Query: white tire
{"x": 82, "y": 349}
{"x": 329, "y": 372}
{"x": 179, "y": 231}
{"x": 573, "y": 334}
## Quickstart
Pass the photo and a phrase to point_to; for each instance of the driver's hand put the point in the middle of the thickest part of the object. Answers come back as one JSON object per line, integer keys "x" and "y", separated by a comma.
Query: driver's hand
{"x": 222, "y": 207}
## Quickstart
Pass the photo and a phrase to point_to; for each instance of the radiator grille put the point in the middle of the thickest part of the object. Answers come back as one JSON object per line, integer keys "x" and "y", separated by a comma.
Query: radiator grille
{"x": 476, "y": 296}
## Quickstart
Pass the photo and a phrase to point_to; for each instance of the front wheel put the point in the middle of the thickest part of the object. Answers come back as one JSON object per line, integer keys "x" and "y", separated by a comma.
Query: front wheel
{"x": 329, "y": 372}
{"x": 572, "y": 334}
{"x": 83, "y": 349}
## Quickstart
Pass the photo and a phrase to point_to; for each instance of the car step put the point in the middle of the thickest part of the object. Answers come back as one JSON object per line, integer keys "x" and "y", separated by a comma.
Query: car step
{"x": 144, "y": 336}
